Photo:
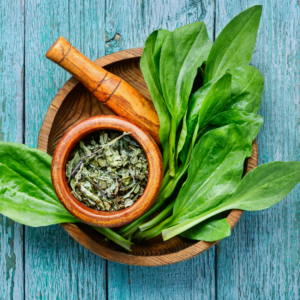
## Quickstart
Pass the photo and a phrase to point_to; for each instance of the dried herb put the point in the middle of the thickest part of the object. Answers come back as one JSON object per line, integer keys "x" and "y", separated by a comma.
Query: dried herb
{"x": 108, "y": 171}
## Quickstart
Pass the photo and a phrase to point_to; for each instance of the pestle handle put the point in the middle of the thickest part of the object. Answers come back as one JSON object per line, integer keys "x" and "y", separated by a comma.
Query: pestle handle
{"x": 108, "y": 88}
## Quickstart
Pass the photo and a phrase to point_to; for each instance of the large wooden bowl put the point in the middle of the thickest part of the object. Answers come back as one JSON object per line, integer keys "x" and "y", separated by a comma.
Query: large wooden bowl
{"x": 74, "y": 103}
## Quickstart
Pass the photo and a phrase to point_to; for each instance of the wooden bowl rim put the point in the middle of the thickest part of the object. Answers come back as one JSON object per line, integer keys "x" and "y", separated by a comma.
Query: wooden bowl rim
{"x": 78, "y": 209}
{"x": 92, "y": 245}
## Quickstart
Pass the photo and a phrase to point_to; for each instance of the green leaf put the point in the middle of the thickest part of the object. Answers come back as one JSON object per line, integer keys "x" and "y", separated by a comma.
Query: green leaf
{"x": 265, "y": 186}
{"x": 235, "y": 44}
{"x": 261, "y": 188}
{"x": 246, "y": 89}
{"x": 161, "y": 36}
{"x": 209, "y": 231}
{"x": 208, "y": 101}
{"x": 149, "y": 68}
{"x": 115, "y": 237}
{"x": 215, "y": 170}
{"x": 183, "y": 52}
{"x": 26, "y": 192}
{"x": 182, "y": 136}
{"x": 237, "y": 117}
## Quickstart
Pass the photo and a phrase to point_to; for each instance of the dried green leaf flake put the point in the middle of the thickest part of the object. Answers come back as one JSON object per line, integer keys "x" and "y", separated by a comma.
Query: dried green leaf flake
{"x": 108, "y": 171}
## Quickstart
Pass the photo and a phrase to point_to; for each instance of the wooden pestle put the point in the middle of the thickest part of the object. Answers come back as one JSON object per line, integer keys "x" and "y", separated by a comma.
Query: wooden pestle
{"x": 108, "y": 88}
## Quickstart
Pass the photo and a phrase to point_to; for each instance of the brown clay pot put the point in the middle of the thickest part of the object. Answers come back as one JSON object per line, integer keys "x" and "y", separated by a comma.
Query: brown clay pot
{"x": 63, "y": 189}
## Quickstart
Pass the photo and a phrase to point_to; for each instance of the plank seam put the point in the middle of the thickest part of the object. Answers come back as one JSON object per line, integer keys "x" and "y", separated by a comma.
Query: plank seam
{"x": 24, "y": 136}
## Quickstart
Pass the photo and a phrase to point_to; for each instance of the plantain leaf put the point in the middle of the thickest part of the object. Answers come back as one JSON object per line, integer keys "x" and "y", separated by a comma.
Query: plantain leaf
{"x": 237, "y": 117}
{"x": 265, "y": 186}
{"x": 160, "y": 38}
{"x": 149, "y": 67}
{"x": 234, "y": 46}
{"x": 211, "y": 230}
{"x": 208, "y": 101}
{"x": 26, "y": 192}
{"x": 215, "y": 170}
{"x": 182, "y": 53}
{"x": 246, "y": 89}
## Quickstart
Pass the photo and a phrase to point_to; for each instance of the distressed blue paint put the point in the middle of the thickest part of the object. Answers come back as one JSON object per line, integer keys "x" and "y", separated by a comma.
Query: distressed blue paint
{"x": 192, "y": 279}
{"x": 128, "y": 23}
{"x": 11, "y": 129}
{"x": 56, "y": 267}
{"x": 262, "y": 258}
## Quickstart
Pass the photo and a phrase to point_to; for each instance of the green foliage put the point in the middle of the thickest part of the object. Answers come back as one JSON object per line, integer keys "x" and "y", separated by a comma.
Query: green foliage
{"x": 235, "y": 44}
{"x": 26, "y": 191}
{"x": 150, "y": 68}
{"x": 231, "y": 96}
{"x": 182, "y": 53}
{"x": 261, "y": 188}
{"x": 211, "y": 230}
{"x": 208, "y": 101}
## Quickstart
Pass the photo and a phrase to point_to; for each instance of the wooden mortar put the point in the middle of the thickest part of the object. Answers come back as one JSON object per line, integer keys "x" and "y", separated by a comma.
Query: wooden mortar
{"x": 90, "y": 215}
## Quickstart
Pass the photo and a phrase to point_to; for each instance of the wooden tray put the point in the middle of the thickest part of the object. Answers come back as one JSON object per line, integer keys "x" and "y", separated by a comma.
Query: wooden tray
{"x": 74, "y": 103}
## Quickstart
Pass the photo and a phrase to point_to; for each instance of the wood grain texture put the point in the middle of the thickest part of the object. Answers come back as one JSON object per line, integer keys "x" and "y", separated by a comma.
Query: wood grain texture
{"x": 11, "y": 129}
{"x": 56, "y": 267}
{"x": 262, "y": 258}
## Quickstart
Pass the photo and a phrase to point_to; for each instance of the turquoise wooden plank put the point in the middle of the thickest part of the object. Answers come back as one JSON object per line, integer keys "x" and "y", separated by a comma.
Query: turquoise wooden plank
{"x": 192, "y": 279}
{"x": 261, "y": 260}
{"x": 128, "y": 23}
{"x": 57, "y": 267}
{"x": 11, "y": 129}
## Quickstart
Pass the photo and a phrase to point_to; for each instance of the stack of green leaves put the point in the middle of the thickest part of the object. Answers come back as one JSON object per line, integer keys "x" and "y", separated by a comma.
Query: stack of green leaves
{"x": 207, "y": 98}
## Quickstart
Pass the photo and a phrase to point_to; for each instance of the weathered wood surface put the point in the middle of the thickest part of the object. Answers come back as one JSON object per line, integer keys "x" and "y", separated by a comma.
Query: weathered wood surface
{"x": 56, "y": 267}
{"x": 261, "y": 258}
{"x": 11, "y": 129}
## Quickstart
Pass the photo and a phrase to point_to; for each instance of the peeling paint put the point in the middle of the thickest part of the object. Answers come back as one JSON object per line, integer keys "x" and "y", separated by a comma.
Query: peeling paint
{"x": 114, "y": 44}
{"x": 1, "y": 133}
{"x": 10, "y": 257}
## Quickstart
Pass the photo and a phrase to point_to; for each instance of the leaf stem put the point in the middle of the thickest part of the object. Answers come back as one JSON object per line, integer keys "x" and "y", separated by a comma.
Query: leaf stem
{"x": 181, "y": 227}
{"x": 115, "y": 237}
{"x": 172, "y": 149}
{"x": 149, "y": 234}
{"x": 160, "y": 217}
